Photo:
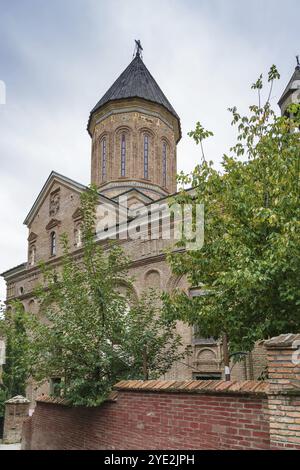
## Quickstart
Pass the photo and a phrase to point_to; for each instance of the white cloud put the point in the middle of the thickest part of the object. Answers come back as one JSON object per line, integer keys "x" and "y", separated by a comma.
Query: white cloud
{"x": 59, "y": 61}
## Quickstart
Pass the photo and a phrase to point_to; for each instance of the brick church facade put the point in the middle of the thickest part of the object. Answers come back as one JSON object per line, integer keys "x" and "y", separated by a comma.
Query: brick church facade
{"x": 134, "y": 132}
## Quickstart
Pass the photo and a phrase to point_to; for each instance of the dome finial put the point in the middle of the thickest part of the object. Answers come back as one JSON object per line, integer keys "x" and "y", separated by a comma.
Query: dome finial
{"x": 138, "y": 48}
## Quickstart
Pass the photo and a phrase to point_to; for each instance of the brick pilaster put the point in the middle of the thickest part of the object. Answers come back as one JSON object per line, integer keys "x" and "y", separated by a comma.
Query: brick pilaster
{"x": 16, "y": 411}
{"x": 284, "y": 391}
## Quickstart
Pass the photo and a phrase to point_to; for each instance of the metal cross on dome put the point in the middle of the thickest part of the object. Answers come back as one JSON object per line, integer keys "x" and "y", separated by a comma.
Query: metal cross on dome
{"x": 138, "y": 48}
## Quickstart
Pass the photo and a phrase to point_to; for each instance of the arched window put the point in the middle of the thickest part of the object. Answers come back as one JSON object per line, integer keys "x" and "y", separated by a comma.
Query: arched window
{"x": 103, "y": 159}
{"x": 164, "y": 164}
{"x": 32, "y": 254}
{"x": 123, "y": 154}
{"x": 78, "y": 236}
{"x": 53, "y": 243}
{"x": 146, "y": 156}
{"x": 31, "y": 306}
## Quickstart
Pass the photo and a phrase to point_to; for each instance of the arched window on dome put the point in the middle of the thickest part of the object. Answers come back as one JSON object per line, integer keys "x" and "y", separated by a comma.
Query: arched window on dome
{"x": 53, "y": 243}
{"x": 123, "y": 154}
{"x": 164, "y": 164}
{"x": 146, "y": 156}
{"x": 103, "y": 158}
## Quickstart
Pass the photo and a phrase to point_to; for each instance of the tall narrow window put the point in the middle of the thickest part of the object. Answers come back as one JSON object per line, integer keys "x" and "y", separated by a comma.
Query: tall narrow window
{"x": 53, "y": 243}
{"x": 146, "y": 156}
{"x": 164, "y": 164}
{"x": 78, "y": 236}
{"x": 123, "y": 154}
{"x": 103, "y": 153}
{"x": 32, "y": 255}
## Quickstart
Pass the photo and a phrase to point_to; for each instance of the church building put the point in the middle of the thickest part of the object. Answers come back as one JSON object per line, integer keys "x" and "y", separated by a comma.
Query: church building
{"x": 134, "y": 132}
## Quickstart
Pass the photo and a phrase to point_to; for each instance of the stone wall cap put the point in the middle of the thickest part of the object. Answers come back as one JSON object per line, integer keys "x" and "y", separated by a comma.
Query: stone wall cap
{"x": 112, "y": 397}
{"x": 248, "y": 387}
{"x": 53, "y": 400}
{"x": 17, "y": 399}
{"x": 283, "y": 341}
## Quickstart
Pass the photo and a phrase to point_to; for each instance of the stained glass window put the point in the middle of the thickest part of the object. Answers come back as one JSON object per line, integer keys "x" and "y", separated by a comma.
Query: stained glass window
{"x": 123, "y": 154}
{"x": 146, "y": 156}
{"x": 164, "y": 164}
{"x": 103, "y": 151}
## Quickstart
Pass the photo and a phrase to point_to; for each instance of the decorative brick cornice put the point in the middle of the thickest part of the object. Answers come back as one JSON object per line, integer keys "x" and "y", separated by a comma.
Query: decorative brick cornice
{"x": 77, "y": 214}
{"x": 53, "y": 223}
{"x": 32, "y": 237}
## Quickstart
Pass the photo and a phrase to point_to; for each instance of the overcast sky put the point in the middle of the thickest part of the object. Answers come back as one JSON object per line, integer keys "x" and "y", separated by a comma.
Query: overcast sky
{"x": 58, "y": 57}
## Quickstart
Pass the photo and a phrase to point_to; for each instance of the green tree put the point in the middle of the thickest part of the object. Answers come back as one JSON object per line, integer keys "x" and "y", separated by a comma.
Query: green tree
{"x": 88, "y": 337}
{"x": 150, "y": 341}
{"x": 249, "y": 265}
{"x": 83, "y": 317}
{"x": 14, "y": 323}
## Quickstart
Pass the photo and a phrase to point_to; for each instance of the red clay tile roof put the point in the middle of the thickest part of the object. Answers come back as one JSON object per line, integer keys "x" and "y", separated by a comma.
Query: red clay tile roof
{"x": 195, "y": 386}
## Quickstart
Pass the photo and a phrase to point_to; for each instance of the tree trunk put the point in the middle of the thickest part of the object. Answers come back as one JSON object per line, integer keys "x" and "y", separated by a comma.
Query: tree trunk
{"x": 226, "y": 357}
{"x": 145, "y": 364}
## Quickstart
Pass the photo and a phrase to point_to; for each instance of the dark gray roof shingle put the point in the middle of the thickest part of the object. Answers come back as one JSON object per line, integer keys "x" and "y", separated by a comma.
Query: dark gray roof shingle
{"x": 136, "y": 82}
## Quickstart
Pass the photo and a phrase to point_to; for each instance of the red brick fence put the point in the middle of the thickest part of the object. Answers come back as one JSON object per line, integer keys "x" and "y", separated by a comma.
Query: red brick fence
{"x": 181, "y": 415}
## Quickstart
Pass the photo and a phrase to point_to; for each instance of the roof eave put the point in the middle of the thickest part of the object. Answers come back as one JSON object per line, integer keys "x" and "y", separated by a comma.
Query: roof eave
{"x": 13, "y": 271}
{"x": 52, "y": 176}
{"x": 175, "y": 115}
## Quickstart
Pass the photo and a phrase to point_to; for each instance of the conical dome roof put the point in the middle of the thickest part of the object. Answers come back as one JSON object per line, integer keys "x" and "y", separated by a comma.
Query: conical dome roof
{"x": 136, "y": 82}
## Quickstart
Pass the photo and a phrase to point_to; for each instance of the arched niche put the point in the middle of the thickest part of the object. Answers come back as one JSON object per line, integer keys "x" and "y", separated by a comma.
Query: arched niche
{"x": 128, "y": 292}
{"x": 206, "y": 356}
{"x": 177, "y": 282}
{"x": 152, "y": 279}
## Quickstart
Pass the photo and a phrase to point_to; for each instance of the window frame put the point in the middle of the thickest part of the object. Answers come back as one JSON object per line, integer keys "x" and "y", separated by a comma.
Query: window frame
{"x": 53, "y": 243}
{"x": 103, "y": 144}
{"x": 32, "y": 255}
{"x": 78, "y": 236}
{"x": 123, "y": 154}
{"x": 146, "y": 155}
{"x": 164, "y": 163}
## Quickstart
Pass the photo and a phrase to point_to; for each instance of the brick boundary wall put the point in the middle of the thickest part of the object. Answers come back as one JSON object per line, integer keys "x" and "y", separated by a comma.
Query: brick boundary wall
{"x": 182, "y": 415}
{"x": 157, "y": 415}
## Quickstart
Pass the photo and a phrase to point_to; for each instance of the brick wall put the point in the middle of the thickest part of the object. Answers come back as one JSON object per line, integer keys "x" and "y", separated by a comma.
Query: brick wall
{"x": 182, "y": 415}
{"x": 192, "y": 414}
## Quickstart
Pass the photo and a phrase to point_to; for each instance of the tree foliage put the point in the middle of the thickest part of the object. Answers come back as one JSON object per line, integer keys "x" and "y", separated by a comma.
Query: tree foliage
{"x": 249, "y": 265}
{"x": 14, "y": 324}
{"x": 82, "y": 316}
{"x": 88, "y": 337}
{"x": 151, "y": 342}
